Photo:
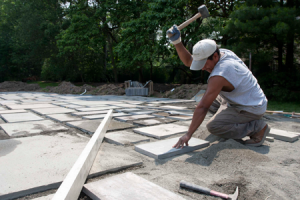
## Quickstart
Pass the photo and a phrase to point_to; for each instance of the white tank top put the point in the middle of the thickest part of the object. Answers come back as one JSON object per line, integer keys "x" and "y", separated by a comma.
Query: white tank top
{"x": 247, "y": 94}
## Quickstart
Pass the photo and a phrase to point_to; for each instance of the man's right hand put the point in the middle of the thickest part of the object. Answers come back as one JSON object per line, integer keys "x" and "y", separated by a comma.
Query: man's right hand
{"x": 176, "y": 38}
{"x": 183, "y": 140}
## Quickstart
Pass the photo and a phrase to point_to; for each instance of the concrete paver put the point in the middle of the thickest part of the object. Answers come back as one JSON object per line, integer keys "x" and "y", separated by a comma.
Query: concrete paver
{"x": 48, "y": 111}
{"x": 27, "y": 172}
{"x": 124, "y": 138}
{"x": 20, "y": 117}
{"x": 151, "y": 122}
{"x": 101, "y": 116}
{"x": 96, "y": 108}
{"x": 31, "y": 128}
{"x": 90, "y": 113}
{"x": 134, "y": 117}
{"x": 90, "y": 126}
{"x": 12, "y": 111}
{"x": 180, "y": 117}
{"x": 31, "y": 106}
{"x": 162, "y": 131}
{"x": 63, "y": 117}
{"x": 283, "y": 135}
{"x": 127, "y": 186}
{"x": 163, "y": 149}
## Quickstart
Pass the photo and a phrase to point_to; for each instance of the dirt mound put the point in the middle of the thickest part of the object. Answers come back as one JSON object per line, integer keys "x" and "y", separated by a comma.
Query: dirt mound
{"x": 185, "y": 91}
{"x": 65, "y": 88}
{"x": 9, "y": 86}
{"x": 109, "y": 89}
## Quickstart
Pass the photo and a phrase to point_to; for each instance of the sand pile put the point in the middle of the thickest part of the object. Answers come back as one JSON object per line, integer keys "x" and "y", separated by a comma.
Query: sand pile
{"x": 65, "y": 88}
{"x": 109, "y": 89}
{"x": 186, "y": 91}
{"x": 17, "y": 86}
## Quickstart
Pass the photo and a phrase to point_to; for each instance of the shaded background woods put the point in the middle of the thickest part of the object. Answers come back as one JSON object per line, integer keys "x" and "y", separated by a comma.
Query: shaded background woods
{"x": 114, "y": 41}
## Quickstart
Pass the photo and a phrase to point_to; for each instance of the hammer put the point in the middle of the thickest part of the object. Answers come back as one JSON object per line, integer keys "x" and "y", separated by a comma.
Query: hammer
{"x": 202, "y": 11}
{"x": 208, "y": 191}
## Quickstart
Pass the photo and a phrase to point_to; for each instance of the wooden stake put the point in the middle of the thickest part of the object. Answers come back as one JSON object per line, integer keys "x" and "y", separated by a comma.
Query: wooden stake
{"x": 72, "y": 185}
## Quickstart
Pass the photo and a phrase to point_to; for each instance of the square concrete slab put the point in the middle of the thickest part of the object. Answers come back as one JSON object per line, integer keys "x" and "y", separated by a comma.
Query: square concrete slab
{"x": 31, "y": 128}
{"x": 96, "y": 108}
{"x": 63, "y": 117}
{"x": 12, "y": 111}
{"x": 134, "y": 117}
{"x": 31, "y": 106}
{"x": 161, "y": 114}
{"x": 151, "y": 122}
{"x": 283, "y": 135}
{"x": 90, "y": 113}
{"x": 162, "y": 131}
{"x": 123, "y": 105}
{"x": 145, "y": 112}
{"x": 48, "y": 111}
{"x": 180, "y": 117}
{"x": 127, "y": 110}
{"x": 101, "y": 116}
{"x": 127, "y": 186}
{"x": 124, "y": 138}
{"x": 90, "y": 126}
{"x": 172, "y": 108}
{"x": 163, "y": 149}
{"x": 20, "y": 117}
{"x": 27, "y": 172}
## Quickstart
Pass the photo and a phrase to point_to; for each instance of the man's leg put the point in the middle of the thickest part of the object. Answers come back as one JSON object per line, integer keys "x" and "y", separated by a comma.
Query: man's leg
{"x": 229, "y": 122}
{"x": 216, "y": 104}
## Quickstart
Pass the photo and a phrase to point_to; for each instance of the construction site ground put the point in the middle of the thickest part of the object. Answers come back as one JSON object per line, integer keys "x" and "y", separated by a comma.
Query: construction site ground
{"x": 38, "y": 145}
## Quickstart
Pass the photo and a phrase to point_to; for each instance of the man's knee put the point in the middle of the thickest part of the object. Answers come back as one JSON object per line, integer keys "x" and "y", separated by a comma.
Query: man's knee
{"x": 212, "y": 127}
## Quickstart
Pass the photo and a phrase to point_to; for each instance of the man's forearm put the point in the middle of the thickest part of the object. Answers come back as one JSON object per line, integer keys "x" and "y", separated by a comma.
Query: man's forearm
{"x": 198, "y": 117}
{"x": 184, "y": 54}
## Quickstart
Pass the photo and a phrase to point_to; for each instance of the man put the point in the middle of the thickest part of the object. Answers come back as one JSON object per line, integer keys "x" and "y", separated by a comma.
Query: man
{"x": 233, "y": 94}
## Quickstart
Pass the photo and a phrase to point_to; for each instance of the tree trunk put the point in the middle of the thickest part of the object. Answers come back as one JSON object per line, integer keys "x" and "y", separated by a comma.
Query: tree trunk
{"x": 280, "y": 52}
{"x": 113, "y": 59}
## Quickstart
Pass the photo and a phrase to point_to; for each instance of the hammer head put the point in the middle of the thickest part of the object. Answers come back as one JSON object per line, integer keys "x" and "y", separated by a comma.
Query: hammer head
{"x": 203, "y": 11}
{"x": 234, "y": 195}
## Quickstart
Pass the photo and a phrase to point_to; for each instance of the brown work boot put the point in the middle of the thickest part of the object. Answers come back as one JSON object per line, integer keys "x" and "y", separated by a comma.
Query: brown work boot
{"x": 258, "y": 138}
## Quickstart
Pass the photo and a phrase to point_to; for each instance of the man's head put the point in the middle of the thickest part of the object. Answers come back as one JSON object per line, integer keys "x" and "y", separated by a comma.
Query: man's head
{"x": 205, "y": 55}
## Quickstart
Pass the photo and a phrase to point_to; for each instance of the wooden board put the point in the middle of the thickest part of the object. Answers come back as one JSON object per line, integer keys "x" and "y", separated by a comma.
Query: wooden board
{"x": 72, "y": 184}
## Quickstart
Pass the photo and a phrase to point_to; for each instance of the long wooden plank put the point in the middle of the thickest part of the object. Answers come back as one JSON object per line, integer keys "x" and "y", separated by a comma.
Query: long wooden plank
{"x": 73, "y": 183}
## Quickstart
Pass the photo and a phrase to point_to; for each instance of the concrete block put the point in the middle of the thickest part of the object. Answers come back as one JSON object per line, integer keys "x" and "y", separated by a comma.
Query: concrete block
{"x": 12, "y": 111}
{"x": 134, "y": 117}
{"x": 269, "y": 139}
{"x": 151, "y": 122}
{"x": 101, "y": 116}
{"x": 163, "y": 149}
{"x": 31, "y": 128}
{"x": 199, "y": 95}
{"x": 162, "y": 131}
{"x": 96, "y": 108}
{"x": 20, "y": 117}
{"x": 26, "y": 172}
{"x": 127, "y": 110}
{"x": 49, "y": 111}
{"x": 172, "y": 108}
{"x": 180, "y": 117}
{"x": 123, "y": 105}
{"x": 124, "y": 138}
{"x": 283, "y": 135}
{"x": 2, "y": 108}
{"x": 145, "y": 112}
{"x": 31, "y": 106}
{"x": 63, "y": 117}
{"x": 127, "y": 186}
{"x": 161, "y": 114}
{"x": 89, "y": 113}
{"x": 90, "y": 126}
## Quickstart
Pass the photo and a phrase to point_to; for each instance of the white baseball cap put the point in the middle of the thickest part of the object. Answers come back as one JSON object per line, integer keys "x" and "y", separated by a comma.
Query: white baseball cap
{"x": 201, "y": 51}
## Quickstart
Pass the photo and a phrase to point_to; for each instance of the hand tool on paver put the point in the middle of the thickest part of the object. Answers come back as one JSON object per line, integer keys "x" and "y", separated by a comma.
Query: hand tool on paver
{"x": 208, "y": 191}
{"x": 202, "y": 12}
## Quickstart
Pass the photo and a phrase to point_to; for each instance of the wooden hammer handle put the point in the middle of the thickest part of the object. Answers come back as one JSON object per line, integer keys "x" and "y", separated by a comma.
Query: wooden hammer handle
{"x": 187, "y": 22}
{"x": 184, "y": 24}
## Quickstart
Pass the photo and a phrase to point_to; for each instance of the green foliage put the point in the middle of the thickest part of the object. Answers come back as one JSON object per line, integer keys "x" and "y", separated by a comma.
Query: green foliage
{"x": 284, "y": 106}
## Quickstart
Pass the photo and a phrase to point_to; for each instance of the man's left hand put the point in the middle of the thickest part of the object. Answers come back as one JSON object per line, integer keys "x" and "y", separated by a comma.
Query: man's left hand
{"x": 183, "y": 140}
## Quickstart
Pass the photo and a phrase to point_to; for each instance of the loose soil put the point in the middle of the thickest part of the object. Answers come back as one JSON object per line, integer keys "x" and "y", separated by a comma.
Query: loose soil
{"x": 173, "y": 91}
